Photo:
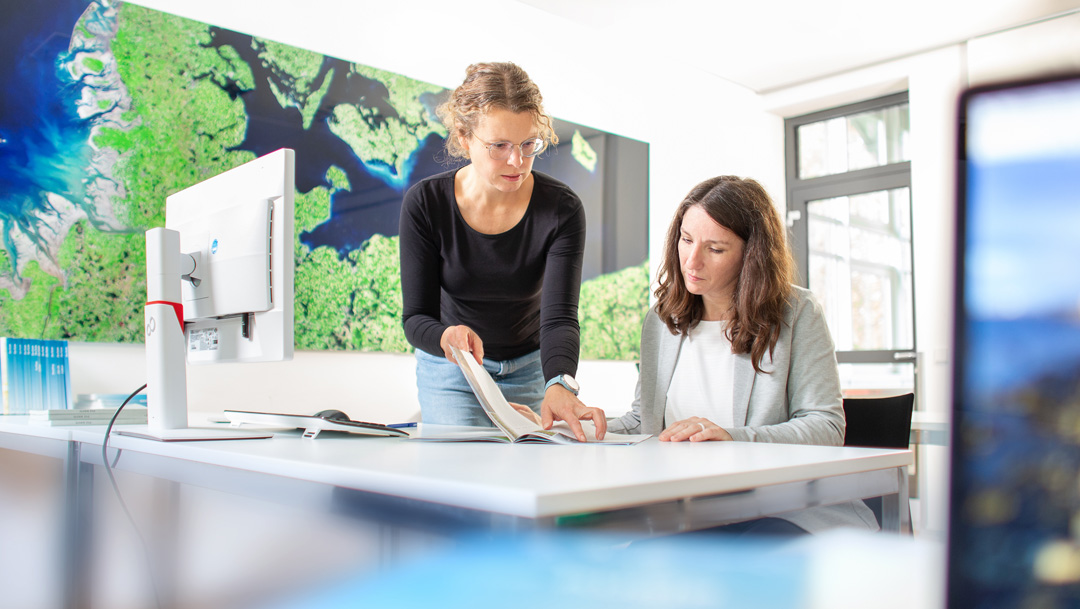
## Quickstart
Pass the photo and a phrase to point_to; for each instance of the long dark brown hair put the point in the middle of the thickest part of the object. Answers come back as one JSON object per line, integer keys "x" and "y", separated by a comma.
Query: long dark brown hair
{"x": 742, "y": 206}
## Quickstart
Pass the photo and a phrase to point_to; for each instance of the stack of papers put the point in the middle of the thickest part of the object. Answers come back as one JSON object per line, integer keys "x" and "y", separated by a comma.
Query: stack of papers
{"x": 107, "y": 400}
{"x": 130, "y": 415}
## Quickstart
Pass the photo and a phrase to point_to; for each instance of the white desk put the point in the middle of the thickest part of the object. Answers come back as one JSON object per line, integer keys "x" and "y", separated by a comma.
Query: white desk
{"x": 533, "y": 482}
{"x": 524, "y": 481}
{"x": 647, "y": 489}
{"x": 930, "y": 428}
{"x": 57, "y": 442}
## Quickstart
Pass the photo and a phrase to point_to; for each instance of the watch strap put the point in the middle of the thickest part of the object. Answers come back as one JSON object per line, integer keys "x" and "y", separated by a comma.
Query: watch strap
{"x": 558, "y": 380}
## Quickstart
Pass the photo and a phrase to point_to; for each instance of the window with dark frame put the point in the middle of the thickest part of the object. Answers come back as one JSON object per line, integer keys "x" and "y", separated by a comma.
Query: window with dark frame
{"x": 849, "y": 219}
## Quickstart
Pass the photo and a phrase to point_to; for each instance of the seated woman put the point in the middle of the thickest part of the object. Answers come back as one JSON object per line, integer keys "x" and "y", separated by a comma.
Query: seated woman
{"x": 733, "y": 351}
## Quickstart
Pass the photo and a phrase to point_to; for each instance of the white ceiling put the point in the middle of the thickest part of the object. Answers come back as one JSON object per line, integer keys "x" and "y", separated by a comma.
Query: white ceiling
{"x": 770, "y": 44}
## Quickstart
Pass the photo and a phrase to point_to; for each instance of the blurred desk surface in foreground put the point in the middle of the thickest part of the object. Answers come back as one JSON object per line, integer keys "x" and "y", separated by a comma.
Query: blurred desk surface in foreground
{"x": 840, "y": 569}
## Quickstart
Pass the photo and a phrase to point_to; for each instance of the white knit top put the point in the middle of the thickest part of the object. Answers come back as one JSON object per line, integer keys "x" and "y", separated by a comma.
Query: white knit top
{"x": 702, "y": 384}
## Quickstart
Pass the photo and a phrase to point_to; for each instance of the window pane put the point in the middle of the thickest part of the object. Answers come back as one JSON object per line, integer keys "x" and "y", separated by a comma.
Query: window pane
{"x": 860, "y": 268}
{"x": 871, "y": 298}
{"x": 855, "y": 141}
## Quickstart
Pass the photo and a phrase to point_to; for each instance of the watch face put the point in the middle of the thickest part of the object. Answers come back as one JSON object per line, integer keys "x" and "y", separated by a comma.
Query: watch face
{"x": 571, "y": 382}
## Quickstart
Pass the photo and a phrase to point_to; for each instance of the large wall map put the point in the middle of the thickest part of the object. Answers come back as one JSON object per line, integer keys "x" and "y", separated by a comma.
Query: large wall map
{"x": 107, "y": 108}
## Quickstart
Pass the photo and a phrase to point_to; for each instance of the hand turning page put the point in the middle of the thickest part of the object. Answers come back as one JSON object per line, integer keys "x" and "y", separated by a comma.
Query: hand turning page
{"x": 515, "y": 425}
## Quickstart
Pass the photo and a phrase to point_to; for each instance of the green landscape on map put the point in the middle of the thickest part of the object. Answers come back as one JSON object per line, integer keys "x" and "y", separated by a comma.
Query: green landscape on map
{"x": 182, "y": 127}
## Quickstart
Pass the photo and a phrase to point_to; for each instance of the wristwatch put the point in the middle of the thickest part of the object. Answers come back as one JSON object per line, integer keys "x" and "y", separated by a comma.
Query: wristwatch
{"x": 565, "y": 380}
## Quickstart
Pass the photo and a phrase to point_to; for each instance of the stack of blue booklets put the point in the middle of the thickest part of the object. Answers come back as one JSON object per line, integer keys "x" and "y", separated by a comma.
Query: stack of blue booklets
{"x": 34, "y": 375}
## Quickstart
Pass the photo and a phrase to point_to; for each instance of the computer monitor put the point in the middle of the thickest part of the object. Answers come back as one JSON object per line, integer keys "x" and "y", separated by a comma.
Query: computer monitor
{"x": 1014, "y": 523}
{"x": 238, "y": 306}
{"x": 219, "y": 285}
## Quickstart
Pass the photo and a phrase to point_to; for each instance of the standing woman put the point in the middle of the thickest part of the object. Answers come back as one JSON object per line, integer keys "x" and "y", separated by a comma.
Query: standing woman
{"x": 491, "y": 259}
{"x": 732, "y": 351}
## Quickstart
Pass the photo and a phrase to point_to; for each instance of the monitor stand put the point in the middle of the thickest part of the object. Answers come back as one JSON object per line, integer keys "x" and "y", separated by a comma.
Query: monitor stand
{"x": 191, "y": 434}
{"x": 166, "y": 353}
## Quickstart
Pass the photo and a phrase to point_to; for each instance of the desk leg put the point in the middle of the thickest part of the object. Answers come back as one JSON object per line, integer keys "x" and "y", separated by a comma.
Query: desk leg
{"x": 389, "y": 539}
{"x": 78, "y": 520}
{"x": 896, "y": 509}
{"x": 165, "y": 538}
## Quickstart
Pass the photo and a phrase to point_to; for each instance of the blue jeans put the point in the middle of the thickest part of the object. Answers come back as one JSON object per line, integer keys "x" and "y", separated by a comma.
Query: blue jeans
{"x": 447, "y": 399}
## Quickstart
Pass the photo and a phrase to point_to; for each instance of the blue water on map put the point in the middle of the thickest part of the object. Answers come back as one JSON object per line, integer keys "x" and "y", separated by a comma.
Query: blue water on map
{"x": 373, "y": 202}
{"x": 44, "y": 144}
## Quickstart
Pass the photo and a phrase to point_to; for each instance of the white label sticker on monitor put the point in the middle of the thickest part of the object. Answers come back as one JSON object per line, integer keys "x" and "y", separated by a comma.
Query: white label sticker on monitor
{"x": 205, "y": 339}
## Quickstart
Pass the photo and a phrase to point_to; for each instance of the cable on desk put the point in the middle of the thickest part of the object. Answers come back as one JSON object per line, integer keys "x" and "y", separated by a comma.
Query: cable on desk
{"x": 116, "y": 489}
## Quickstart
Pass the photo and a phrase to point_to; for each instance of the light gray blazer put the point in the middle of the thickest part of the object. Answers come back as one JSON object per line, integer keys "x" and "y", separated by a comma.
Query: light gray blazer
{"x": 796, "y": 400}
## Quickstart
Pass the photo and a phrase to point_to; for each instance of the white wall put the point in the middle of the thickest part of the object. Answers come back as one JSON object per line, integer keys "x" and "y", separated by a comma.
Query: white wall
{"x": 696, "y": 124}
{"x": 934, "y": 81}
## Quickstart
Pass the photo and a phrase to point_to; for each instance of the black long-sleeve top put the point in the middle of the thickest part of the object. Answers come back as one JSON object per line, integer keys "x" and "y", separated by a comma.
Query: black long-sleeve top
{"x": 518, "y": 290}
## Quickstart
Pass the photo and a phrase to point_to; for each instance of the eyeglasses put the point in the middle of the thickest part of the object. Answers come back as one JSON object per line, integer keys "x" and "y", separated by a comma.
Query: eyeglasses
{"x": 500, "y": 151}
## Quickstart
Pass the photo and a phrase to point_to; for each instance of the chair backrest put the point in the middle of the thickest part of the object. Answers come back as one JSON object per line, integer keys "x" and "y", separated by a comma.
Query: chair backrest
{"x": 879, "y": 422}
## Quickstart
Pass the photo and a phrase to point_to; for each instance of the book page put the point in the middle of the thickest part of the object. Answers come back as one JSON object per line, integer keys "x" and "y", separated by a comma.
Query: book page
{"x": 470, "y": 434}
{"x": 514, "y": 424}
{"x": 501, "y": 413}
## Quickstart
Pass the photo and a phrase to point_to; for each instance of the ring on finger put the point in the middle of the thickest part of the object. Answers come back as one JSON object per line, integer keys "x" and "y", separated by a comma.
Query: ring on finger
{"x": 702, "y": 425}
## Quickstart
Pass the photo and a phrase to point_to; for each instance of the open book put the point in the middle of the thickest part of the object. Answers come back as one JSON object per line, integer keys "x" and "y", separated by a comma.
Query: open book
{"x": 514, "y": 426}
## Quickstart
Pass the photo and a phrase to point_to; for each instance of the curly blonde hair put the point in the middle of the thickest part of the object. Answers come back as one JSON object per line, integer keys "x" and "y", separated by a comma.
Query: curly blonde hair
{"x": 504, "y": 86}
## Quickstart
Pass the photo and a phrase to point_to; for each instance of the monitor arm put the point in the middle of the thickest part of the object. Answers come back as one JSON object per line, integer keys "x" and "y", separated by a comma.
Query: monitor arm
{"x": 166, "y": 364}
{"x": 189, "y": 268}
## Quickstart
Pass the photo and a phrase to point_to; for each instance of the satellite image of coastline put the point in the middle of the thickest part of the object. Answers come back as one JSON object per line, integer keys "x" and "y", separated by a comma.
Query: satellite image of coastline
{"x": 109, "y": 107}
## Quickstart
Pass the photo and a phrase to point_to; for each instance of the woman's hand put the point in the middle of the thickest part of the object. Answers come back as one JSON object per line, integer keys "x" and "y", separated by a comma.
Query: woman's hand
{"x": 560, "y": 404}
{"x": 695, "y": 429}
{"x": 526, "y": 412}
{"x": 465, "y": 340}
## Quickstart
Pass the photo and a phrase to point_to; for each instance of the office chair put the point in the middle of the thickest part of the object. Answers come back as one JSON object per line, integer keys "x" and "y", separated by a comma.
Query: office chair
{"x": 878, "y": 423}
